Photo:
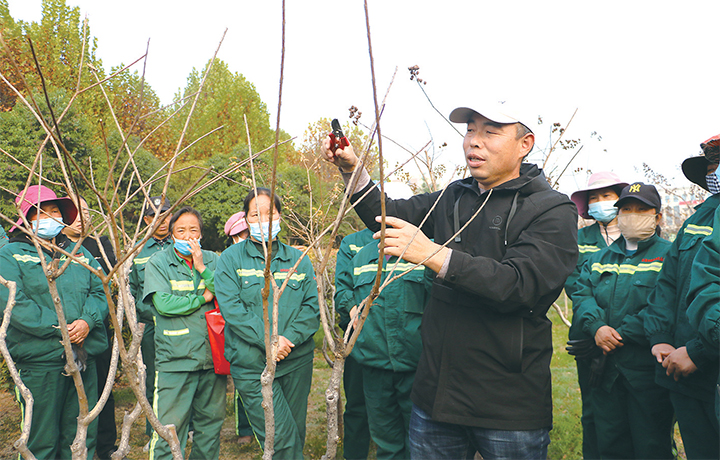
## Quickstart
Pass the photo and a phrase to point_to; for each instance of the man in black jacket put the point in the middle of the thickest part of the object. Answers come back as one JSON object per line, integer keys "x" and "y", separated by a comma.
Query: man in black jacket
{"x": 483, "y": 381}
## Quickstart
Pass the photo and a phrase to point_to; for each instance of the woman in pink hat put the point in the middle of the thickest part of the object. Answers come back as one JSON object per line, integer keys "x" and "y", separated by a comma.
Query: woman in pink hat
{"x": 596, "y": 201}
{"x": 33, "y": 337}
{"x": 236, "y": 228}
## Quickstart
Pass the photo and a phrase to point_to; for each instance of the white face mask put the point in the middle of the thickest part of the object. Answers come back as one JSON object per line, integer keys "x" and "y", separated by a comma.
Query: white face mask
{"x": 637, "y": 227}
{"x": 262, "y": 234}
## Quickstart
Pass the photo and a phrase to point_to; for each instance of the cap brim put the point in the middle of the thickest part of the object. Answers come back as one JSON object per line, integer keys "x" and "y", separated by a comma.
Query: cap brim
{"x": 642, "y": 199}
{"x": 151, "y": 212}
{"x": 695, "y": 169}
{"x": 463, "y": 115}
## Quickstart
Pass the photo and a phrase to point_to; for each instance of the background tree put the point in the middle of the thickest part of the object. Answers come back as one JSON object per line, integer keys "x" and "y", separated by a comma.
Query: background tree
{"x": 228, "y": 98}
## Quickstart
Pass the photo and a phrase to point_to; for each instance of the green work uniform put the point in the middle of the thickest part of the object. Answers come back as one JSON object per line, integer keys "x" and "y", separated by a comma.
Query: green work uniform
{"x": 356, "y": 437}
{"x": 693, "y": 396}
{"x": 633, "y": 415}
{"x": 590, "y": 241}
{"x": 144, "y": 314}
{"x": 185, "y": 381}
{"x": 703, "y": 294}
{"x": 34, "y": 341}
{"x": 388, "y": 347}
{"x": 239, "y": 280}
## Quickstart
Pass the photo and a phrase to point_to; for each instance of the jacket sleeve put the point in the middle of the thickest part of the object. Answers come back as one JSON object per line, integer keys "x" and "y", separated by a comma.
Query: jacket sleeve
{"x": 535, "y": 265}
{"x": 307, "y": 321}
{"x": 590, "y": 315}
{"x": 659, "y": 323}
{"x": 344, "y": 283}
{"x": 158, "y": 290}
{"x": 27, "y": 316}
{"x": 144, "y": 310}
{"x": 704, "y": 308}
{"x": 571, "y": 282}
{"x": 209, "y": 277}
{"x": 95, "y": 309}
{"x": 631, "y": 328}
{"x": 412, "y": 210}
{"x": 243, "y": 322}
{"x": 173, "y": 305}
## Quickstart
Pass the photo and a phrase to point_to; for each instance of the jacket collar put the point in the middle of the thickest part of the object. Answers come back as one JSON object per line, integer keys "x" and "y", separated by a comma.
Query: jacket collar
{"x": 253, "y": 249}
{"x": 618, "y": 245}
{"x": 531, "y": 179}
{"x": 712, "y": 200}
{"x": 61, "y": 241}
{"x": 155, "y": 242}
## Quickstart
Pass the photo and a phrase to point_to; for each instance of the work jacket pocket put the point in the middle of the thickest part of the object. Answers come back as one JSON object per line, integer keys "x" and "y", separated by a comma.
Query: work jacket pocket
{"x": 416, "y": 290}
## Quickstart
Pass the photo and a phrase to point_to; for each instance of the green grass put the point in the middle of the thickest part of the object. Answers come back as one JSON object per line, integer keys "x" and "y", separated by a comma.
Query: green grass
{"x": 566, "y": 435}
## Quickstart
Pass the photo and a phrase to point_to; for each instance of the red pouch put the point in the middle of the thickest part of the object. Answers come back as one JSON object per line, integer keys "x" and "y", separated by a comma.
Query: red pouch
{"x": 216, "y": 334}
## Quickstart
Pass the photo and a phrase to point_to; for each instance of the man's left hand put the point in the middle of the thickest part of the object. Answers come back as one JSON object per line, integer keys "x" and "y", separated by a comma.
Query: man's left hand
{"x": 419, "y": 248}
{"x": 679, "y": 364}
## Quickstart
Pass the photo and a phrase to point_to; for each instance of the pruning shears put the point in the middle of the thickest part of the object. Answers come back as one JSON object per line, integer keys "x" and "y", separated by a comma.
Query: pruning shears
{"x": 337, "y": 138}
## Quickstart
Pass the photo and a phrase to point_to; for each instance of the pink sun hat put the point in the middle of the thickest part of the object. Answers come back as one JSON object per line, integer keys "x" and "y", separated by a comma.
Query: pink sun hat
{"x": 235, "y": 224}
{"x": 36, "y": 195}
{"x": 597, "y": 181}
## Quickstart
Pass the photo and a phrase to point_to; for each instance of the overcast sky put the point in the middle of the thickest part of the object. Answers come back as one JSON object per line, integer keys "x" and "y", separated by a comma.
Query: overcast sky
{"x": 642, "y": 74}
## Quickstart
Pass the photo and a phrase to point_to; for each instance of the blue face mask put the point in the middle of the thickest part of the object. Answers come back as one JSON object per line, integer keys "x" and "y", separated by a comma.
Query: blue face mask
{"x": 256, "y": 234}
{"x": 603, "y": 211}
{"x": 47, "y": 229}
{"x": 183, "y": 247}
{"x": 713, "y": 182}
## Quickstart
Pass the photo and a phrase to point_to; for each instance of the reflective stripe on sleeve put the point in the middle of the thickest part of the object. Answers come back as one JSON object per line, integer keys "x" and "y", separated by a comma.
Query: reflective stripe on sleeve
{"x": 698, "y": 229}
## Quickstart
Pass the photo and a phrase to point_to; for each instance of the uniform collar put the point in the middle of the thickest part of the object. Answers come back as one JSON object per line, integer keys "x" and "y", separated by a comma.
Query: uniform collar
{"x": 712, "y": 200}
{"x": 161, "y": 242}
{"x": 253, "y": 249}
{"x": 618, "y": 245}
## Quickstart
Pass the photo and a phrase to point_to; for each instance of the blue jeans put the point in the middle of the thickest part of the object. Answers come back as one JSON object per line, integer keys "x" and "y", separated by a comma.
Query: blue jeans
{"x": 437, "y": 440}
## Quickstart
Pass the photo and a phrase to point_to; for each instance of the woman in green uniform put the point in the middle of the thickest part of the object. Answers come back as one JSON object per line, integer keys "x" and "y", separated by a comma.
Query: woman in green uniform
{"x": 704, "y": 309}
{"x": 633, "y": 415}
{"x": 596, "y": 201}
{"x": 239, "y": 284}
{"x": 179, "y": 281}
{"x": 686, "y": 366}
{"x": 33, "y": 337}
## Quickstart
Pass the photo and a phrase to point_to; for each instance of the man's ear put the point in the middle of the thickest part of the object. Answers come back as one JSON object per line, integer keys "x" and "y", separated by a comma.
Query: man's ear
{"x": 658, "y": 218}
{"x": 526, "y": 144}
{"x": 148, "y": 219}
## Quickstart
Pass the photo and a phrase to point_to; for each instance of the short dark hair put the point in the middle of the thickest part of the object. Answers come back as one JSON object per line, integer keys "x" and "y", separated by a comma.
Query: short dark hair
{"x": 261, "y": 191}
{"x": 186, "y": 210}
{"x": 522, "y": 130}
